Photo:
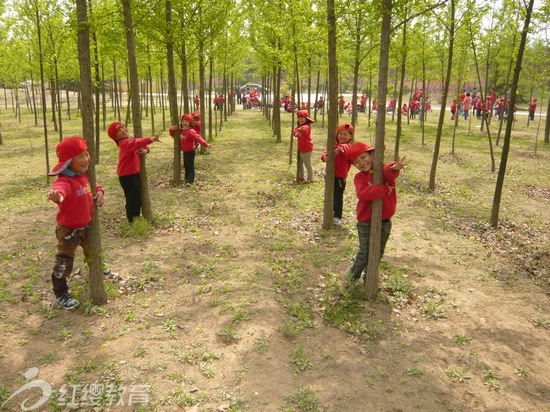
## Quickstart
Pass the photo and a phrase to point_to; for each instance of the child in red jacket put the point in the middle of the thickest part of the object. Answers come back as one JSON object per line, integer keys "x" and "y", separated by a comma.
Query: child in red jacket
{"x": 188, "y": 138}
{"x": 341, "y": 168}
{"x": 72, "y": 193}
{"x": 129, "y": 164}
{"x": 361, "y": 156}
{"x": 302, "y": 132}
{"x": 197, "y": 125}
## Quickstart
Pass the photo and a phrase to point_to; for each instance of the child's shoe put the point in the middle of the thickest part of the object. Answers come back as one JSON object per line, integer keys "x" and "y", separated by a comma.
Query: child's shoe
{"x": 337, "y": 221}
{"x": 66, "y": 301}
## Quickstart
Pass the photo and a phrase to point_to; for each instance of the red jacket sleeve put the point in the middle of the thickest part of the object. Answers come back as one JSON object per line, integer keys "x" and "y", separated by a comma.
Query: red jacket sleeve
{"x": 365, "y": 190}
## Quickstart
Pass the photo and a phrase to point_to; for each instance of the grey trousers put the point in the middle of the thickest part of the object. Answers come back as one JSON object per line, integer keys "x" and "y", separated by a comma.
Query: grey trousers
{"x": 362, "y": 258}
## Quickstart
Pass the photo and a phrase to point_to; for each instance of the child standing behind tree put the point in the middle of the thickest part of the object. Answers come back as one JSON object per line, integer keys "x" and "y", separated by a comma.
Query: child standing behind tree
{"x": 188, "y": 137}
{"x": 72, "y": 193}
{"x": 305, "y": 145}
{"x": 341, "y": 168}
{"x": 130, "y": 150}
{"x": 197, "y": 125}
{"x": 361, "y": 156}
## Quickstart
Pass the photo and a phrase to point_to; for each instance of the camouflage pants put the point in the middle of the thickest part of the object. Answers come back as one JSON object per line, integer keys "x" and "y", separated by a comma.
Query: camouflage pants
{"x": 67, "y": 241}
{"x": 362, "y": 258}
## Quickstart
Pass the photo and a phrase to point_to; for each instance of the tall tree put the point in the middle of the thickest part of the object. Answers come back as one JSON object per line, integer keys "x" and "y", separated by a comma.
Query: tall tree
{"x": 451, "y": 29}
{"x": 328, "y": 211}
{"x": 172, "y": 92}
{"x": 97, "y": 290}
{"x": 376, "y": 220}
{"x": 136, "y": 104}
{"x": 510, "y": 120}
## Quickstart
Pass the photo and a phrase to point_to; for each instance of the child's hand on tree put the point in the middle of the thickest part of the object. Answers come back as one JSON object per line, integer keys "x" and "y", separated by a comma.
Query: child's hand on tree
{"x": 99, "y": 198}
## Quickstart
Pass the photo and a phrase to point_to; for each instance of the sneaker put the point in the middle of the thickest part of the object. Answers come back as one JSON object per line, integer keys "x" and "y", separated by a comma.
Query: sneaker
{"x": 66, "y": 301}
{"x": 337, "y": 221}
{"x": 107, "y": 271}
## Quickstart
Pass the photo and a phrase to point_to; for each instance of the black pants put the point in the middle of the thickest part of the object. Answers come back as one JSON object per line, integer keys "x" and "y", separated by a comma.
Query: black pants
{"x": 189, "y": 166}
{"x": 338, "y": 203}
{"x": 131, "y": 185}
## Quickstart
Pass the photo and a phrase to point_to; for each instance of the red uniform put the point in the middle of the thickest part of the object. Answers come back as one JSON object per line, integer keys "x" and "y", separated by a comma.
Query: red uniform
{"x": 341, "y": 163}
{"x": 188, "y": 137}
{"x": 128, "y": 156}
{"x": 76, "y": 210}
{"x": 305, "y": 144}
{"x": 367, "y": 192}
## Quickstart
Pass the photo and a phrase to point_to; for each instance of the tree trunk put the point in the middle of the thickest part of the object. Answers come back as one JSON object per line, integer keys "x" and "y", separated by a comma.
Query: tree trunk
{"x": 483, "y": 117}
{"x": 97, "y": 290}
{"x": 33, "y": 96}
{"x": 103, "y": 100}
{"x": 547, "y": 124}
{"x": 401, "y": 87}
{"x": 210, "y": 82}
{"x": 277, "y": 104}
{"x": 44, "y": 112}
{"x": 184, "y": 88}
{"x": 328, "y": 207}
{"x": 317, "y": 85}
{"x": 510, "y": 119}
{"x": 173, "y": 95}
{"x": 54, "y": 108}
{"x": 58, "y": 97}
{"x": 136, "y": 109}
{"x": 202, "y": 90}
{"x": 376, "y": 220}
{"x": 356, "y": 64}
{"x": 162, "y": 98}
{"x": 445, "y": 93}
{"x": 151, "y": 99}
{"x": 96, "y": 90}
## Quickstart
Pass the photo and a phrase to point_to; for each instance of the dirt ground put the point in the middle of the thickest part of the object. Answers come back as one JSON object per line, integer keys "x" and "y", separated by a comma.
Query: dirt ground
{"x": 202, "y": 308}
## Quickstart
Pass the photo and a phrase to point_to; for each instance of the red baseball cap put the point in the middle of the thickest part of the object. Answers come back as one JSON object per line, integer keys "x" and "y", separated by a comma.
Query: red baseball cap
{"x": 357, "y": 149}
{"x": 66, "y": 150}
{"x": 345, "y": 126}
{"x": 187, "y": 117}
{"x": 112, "y": 131}
{"x": 304, "y": 113}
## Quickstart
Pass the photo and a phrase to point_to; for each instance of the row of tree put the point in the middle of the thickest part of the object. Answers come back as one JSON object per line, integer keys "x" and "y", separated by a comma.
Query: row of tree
{"x": 450, "y": 41}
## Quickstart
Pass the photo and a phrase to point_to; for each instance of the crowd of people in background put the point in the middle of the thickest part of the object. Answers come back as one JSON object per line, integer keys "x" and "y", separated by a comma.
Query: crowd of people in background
{"x": 468, "y": 103}
{"x": 492, "y": 105}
